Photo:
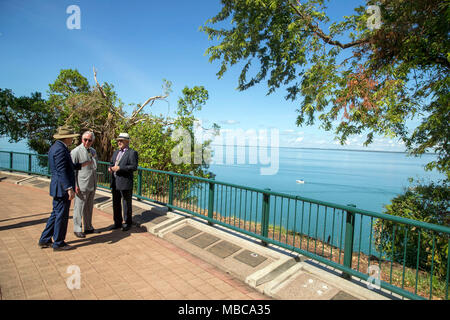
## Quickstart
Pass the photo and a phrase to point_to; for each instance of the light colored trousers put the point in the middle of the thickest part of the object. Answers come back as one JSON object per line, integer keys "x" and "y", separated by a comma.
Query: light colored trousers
{"x": 82, "y": 211}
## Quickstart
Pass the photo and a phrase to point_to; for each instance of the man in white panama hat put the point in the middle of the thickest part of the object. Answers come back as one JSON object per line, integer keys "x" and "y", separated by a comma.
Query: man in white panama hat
{"x": 124, "y": 162}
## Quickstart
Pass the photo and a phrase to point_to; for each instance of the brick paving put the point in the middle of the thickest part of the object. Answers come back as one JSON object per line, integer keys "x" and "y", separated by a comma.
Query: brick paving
{"x": 113, "y": 264}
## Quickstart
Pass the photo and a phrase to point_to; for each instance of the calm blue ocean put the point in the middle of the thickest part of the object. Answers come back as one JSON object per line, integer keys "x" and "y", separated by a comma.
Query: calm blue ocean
{"x": 366, "y": 179}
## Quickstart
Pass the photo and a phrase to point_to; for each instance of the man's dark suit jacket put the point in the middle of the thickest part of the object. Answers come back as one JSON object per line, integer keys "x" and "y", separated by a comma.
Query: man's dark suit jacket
{"x": 62, "y": 169}
{"x": 128, "y": 164}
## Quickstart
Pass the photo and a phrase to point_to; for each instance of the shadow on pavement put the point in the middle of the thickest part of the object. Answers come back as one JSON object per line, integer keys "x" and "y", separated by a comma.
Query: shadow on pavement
{"x": 26, "y": 223}
{"x": 106, "y": 236}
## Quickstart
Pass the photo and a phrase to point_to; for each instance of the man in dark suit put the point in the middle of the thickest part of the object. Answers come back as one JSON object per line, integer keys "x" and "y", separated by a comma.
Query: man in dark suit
{"x": 123, "y": 163}
{"x": 62, "y": 189}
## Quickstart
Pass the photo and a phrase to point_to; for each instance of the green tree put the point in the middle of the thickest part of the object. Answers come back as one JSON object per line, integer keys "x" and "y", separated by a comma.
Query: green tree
{"x": 423, "y": 202}
{"x": 30, "y": 118}
{"x": 98, "y": 108}
{"x": 153, "y": 136}
{"x": 371, "y": 84}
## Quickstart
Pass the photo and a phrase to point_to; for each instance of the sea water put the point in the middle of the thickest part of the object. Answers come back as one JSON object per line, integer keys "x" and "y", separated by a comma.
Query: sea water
{"x": 365, "y": 179}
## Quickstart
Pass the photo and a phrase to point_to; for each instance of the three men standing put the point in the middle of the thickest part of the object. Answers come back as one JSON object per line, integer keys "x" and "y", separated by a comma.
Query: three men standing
{"x": 86, "y": 185}
{"x": 124, "y": 162}
{"x": 73, "y": 175}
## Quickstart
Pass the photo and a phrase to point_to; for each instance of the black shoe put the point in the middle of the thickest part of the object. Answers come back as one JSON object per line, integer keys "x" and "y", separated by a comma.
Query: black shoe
{"x": 63, "y": 248}
{"x": 79, "y": 234}
{"x": 91, "y": 231}
{"x": 114, "y": 227}
{"x": 44, "y": 245}
{"x": 126, "y": 228}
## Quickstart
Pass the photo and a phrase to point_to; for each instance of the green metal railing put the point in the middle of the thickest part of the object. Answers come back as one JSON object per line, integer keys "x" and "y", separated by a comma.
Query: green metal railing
{"x": 410, "y": 257}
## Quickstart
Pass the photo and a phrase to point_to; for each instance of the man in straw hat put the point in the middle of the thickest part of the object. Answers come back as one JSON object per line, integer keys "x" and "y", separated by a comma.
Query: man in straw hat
{"x": 123, "y": 163}
{"x": 62, "y": 189}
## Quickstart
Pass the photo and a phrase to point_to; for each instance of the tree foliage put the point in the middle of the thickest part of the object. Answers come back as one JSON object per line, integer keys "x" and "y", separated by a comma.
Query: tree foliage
{"x": 29, "y": 118}
{"x": 71, "y": 100}
{"x": 424, "y": 202}
{"x": 373, "y": 83}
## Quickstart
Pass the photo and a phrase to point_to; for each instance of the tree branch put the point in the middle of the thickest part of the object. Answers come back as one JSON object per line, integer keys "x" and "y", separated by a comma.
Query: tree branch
{"x": 152, "y": 100}
{"x": 326, "y": 38}
{"x": 100, "y": 88}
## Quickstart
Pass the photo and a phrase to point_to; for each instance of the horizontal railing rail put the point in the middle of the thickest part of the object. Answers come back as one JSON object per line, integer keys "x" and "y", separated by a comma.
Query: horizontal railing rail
{"x": 407, "y": 257}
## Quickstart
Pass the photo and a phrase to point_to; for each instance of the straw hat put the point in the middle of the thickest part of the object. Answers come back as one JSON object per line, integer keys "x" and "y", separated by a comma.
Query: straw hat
{"x": 123, "y": 136}
{"x": 65, "y": 132}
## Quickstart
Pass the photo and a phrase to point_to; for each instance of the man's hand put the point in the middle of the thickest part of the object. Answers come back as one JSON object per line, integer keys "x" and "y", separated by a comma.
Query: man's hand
{"x": 115, "y": 168}
{"x": 77, "y": 190}
{"x": 71, "y": 194}
{"x": 86, "y": 163}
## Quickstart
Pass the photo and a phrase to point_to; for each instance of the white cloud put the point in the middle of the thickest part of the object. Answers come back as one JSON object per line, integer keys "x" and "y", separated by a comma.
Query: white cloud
{"x": 229, "y": 122}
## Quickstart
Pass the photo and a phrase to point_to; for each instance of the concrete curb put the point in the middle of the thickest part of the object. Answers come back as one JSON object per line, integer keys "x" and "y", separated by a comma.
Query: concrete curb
{"x": 19, "y": 182}
{"x": 270, "y": 288}
{"x": 270, "y": 272}
{"x": 345, "y": 285}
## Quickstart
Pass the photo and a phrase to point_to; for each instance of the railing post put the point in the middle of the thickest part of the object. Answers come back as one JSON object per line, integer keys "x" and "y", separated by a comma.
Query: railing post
{"x": 265, "y": 216}
{"x": 139, "y": 186}
{"x": 11, "y": 161}
{"x": 29, "y": 163}
{"x": 170, "y": 192}
{"x": 348, "y": 244}
{"x": 211, "y": 202}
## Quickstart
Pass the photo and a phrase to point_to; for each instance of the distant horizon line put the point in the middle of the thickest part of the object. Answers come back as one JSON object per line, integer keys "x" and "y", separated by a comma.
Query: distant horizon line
{"x": 312, "y": 148}
{"x": 280, "y": 147}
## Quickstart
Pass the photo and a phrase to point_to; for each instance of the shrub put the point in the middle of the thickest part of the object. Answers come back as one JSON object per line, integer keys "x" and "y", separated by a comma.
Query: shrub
{"x": 423, "y": 202}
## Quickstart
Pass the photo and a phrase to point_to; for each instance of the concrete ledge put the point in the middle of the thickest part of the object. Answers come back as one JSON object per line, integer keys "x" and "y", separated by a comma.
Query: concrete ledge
{"x": 25, "y": 179}
{"x": 298, "y": 283}
{"x": 270, "y": 272}
{"x": 274, "y": 264}
{"x": 153, "y": 206}
{"x": 271, "y": 287}
{"x": 156, "y": 228}
{"x": 163, "y": 231}
{"x": 352, "y": 288}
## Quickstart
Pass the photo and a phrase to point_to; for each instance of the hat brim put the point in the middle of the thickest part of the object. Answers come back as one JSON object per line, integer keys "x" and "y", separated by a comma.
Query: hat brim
{"x": 119, "y": 139}
{"x": 63, "y": 136}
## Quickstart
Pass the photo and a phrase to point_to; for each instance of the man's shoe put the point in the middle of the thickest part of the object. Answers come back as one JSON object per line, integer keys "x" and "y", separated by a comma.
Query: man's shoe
{"x": 126, "y": 228}
{"x": 63, "y": 248}
{"x": 91, "y": 231}
{"x": 114, "y": 227}
{"x": 79, "y": 234}
{"x": 43, "y": 245}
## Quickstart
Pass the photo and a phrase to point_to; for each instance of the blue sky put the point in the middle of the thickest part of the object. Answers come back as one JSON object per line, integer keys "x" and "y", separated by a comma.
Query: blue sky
{"x": 136, "y": 44}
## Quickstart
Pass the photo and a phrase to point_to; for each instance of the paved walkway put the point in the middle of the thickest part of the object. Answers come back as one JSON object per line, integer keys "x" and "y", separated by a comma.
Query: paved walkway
{"x": 113, "y": 264}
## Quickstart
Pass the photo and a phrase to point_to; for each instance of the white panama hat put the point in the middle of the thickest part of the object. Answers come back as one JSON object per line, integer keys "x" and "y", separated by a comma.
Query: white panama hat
{"x": 123, "y": 136}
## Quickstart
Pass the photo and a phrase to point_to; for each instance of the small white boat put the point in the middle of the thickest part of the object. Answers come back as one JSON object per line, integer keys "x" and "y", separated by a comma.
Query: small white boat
{"x": 300, "y": 181}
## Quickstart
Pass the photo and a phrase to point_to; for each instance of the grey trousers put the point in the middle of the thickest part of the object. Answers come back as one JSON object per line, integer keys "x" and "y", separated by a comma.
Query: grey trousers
{"x": 82, "y": 211}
